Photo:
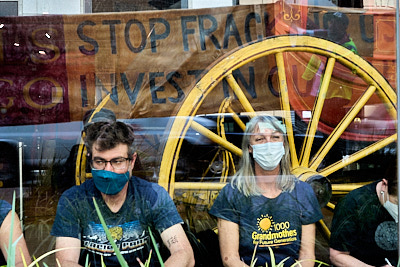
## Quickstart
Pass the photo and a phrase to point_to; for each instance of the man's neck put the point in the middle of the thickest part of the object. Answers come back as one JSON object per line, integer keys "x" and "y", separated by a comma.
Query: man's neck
{"x": 115, "y": 202}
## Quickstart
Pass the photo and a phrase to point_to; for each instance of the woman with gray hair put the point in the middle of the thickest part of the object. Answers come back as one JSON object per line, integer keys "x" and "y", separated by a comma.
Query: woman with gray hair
{"x": 265, "y": 206}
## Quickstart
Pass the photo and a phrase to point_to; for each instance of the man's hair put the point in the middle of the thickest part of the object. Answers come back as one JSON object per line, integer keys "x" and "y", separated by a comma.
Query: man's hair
{"x": 108, "y": 135}
{"x": 103, "y": 115}
{"x": 244, "y": 179}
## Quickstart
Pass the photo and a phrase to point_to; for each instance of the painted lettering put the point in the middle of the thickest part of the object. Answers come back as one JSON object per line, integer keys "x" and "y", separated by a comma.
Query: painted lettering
{"x": 113, "y": 38}
{"x": 196, "y": 73}
{"x": 154, "y": 88}
{"x": 10, "y": 100}
{"x": 84, "y": 95}
{"x": 132, "y": 94}
{"x": 56, "y": 92}
{"x": 87, "y": 39}
{"x": 268, "y": 26}
{"x": 231, "y": 30}
{"x": 272, "y": 72}
{"x": 170, "y": 79}
{"x": 249, "y": 18}
{"x": 186, "y": 30}
{"x": 208, "y": 31}
{"x": 160, "y": 29}
{"x": 143, "y": 35}
{"x": 100, "y": 88}
{"x": 50, "y": 48}
{"x": 154, "y": 36}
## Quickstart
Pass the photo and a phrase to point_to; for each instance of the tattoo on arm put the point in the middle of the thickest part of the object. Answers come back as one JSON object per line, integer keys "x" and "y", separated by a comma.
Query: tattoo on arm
{"x": 172, "y": 240}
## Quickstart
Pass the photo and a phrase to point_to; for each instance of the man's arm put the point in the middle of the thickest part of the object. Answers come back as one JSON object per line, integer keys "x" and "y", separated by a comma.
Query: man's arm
{"x": 17, "y": 232}
{"x": 307, "y": 246}
{"x": 228, "y": 233}
{"x": 176, "y": 241}
{"x": 68, "y": 257}
{"x": 344, "y": 259}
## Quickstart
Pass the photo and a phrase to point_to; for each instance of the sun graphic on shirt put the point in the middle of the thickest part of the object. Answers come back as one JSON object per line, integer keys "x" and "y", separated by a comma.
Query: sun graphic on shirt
{"x": 264, "y": 222}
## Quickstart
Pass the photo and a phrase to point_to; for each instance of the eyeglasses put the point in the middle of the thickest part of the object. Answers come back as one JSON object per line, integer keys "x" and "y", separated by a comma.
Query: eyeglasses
{"x": 117, "y": 164}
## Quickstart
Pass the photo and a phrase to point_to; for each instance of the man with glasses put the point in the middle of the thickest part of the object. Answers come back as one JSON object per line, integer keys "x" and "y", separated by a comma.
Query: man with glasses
{"x": 132, "y": 209}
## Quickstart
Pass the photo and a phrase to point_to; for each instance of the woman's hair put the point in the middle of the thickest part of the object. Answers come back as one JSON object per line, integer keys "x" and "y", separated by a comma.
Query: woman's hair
{"x": 244, "y": 179}
{"x": 109, "y": 135}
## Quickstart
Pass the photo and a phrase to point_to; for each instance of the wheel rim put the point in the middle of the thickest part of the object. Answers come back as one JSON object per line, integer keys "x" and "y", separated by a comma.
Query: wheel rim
{"x": 306, "y": 160}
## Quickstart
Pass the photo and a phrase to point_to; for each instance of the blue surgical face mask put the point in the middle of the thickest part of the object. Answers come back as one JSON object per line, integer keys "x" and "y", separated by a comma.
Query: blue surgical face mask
{"x": 108, "y": 182}
{"x": 392, "y": 208}
{"x": 268, "y": 155}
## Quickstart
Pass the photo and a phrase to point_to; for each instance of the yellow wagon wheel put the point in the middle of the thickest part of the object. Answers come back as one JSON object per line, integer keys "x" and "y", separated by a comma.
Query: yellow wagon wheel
{"x": 370, "y": 90}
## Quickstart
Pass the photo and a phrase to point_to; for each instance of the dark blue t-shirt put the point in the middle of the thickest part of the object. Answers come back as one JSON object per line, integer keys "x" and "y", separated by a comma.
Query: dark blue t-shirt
{"x": 147, "y": 204}
{"x": 5, "y": 208}
{"x": 274, "y": 223}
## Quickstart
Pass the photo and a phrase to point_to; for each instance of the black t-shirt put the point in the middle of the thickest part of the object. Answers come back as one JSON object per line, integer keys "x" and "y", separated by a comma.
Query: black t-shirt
{"x": 363, "y": 227}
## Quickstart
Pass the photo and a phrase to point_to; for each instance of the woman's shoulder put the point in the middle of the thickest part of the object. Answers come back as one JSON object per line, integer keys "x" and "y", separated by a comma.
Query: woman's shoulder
{"x": 303, "y": 188}
{"x": 230, "y": 188}
{"x": 301, "y": 184}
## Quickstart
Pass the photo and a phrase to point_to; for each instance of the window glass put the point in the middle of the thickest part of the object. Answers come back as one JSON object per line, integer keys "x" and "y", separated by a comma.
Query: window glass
{"x": 188, "y": 76}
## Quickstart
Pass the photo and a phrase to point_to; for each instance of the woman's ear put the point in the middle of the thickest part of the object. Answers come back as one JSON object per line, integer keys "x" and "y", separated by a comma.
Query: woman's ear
{"x": 250, "y": 149}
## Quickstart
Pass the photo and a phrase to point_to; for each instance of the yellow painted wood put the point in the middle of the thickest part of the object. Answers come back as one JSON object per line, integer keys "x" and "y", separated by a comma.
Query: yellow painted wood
{"x": 285, "y": 104}
{"x": 239, "y": 93}
{"x": 237, "y": 119}
{"x": 325, "y": 228}
{"x": 316, "y": 113}
{"x": 341, "y": 127}
{"x": 216, "y": 138}
{"x": 358, "y": 155}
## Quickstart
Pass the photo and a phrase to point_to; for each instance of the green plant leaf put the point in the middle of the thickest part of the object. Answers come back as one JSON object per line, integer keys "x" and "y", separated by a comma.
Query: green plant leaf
{"x": 281, "y": 263}
{"x": 298, "y": 263}
{"x": 87, "y": 264}
{"x": 272, "y": 257}
{"x": 37, "y": 260}
{"x": 147, "y": 264}
{"x": 156, "y": 248}
{"x": 102, "y": 262}
{"x": 254, "y": 260}
{"x": 120, "y": 258}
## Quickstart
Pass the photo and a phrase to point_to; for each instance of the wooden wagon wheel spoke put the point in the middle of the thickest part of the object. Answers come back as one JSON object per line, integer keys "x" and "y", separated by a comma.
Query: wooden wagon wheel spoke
{"x": 316, "y": 114}
{"x": 341, "y": 127}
